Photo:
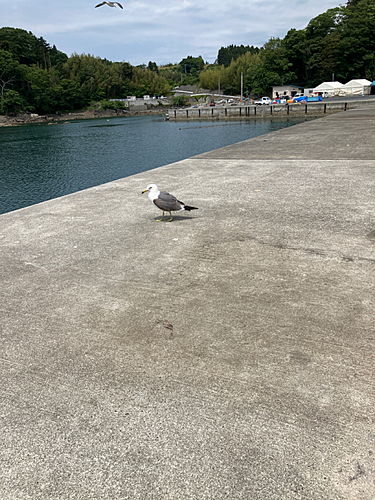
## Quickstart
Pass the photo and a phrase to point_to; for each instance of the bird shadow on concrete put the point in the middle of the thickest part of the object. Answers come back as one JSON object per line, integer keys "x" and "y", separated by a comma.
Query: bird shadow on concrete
{"x": 175, "y": 218}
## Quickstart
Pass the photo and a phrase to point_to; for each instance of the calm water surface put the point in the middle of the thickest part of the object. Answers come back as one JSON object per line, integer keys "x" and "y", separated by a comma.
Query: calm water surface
{"x": 40, "y": 162}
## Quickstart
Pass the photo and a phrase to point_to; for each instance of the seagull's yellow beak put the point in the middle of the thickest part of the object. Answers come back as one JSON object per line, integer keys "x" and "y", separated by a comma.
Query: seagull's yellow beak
{"x": 144, "y": 191}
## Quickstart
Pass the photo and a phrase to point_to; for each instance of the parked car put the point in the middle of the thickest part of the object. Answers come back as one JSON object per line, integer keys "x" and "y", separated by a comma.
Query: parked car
{"x": 301, "y": 98}
{"x": 263, "y": 101}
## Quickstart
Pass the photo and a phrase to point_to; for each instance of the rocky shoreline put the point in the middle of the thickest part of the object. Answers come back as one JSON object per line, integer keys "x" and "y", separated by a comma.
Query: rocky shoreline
{"x": 27, "y": 118}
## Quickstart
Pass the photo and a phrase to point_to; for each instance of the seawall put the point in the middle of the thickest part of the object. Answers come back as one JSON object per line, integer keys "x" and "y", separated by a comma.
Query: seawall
{"x": 274, "y": 111}
{"x": 227, "y": 354}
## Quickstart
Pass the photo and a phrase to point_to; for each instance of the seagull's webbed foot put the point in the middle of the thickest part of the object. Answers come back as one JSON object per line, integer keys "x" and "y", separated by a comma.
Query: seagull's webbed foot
{"x": 162, "y": 217}
{"x": 171, "y": 218}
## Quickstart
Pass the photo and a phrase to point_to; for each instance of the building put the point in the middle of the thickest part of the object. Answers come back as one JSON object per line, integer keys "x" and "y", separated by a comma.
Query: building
{"x": 286, "y": 90}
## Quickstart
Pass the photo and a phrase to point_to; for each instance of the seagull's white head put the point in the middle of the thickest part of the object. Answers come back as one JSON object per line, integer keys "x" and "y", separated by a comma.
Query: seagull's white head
{"x": 150, "y": 188}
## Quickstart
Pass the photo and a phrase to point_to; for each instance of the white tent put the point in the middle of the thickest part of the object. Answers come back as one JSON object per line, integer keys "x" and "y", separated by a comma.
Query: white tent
{"x": 333, "y": 88}
{"x": 356, "y": 87}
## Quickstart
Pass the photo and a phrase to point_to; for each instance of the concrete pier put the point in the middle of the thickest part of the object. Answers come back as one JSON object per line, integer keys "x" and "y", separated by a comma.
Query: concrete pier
{"x": 273, "y": 111}
{"x": 226, "y": 355}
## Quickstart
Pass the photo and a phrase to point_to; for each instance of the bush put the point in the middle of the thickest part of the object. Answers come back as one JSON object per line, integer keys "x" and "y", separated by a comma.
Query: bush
{"x": 180, "y": 100}
{"x": 105, "y": 104}
{"x": 11, "y": 102}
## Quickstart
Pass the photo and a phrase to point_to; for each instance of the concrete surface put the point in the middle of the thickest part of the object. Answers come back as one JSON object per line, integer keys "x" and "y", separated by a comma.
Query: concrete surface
{"x": 226, "y": 355}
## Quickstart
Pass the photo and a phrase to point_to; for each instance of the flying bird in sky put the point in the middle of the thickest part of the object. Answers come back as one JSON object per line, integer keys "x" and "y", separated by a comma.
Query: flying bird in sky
{"x": 165, "y": 201}
{"x": 110, "y": 4}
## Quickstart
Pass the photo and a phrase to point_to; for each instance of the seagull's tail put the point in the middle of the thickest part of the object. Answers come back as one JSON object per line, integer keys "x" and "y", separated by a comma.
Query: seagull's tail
{"x": 186, "y": 207}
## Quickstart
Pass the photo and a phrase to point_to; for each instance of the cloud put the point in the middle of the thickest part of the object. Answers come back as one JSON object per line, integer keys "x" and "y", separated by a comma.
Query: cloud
{"x": 163, "y": 31}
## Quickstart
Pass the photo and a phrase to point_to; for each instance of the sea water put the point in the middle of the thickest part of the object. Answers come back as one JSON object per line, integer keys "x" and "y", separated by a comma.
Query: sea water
{"x": 39, "y": 162}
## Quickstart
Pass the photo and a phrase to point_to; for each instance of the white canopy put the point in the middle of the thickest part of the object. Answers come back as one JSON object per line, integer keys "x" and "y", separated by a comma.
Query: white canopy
{"x": 332, "y": 88}
{"x": 356, "y": 87}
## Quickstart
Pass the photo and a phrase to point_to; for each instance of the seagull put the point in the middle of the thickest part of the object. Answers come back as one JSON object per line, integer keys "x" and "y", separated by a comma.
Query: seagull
{"x": 165, "y": 201}
{"x": 110, "y": 4}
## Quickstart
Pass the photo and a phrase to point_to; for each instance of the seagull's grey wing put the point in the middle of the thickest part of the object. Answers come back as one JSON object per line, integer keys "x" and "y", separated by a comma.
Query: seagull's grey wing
{"x": 121, "y": 7}
{"x": 99, "y": 4}
{"x": 167, "y": 202}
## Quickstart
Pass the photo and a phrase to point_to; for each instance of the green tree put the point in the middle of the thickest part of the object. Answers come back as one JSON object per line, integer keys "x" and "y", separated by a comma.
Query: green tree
{"x": 180, "y": 100}
{"x": 8, "y": 71}
{"x": 11, "y": 102}
{"x": 70, "y": 95}
{"x": 230, "y": 77}
{"x": 41, "y": 92}
{"x": 57, "y": 57}
{"x": 260, "y": 80}
{"x": 146, "y": 82}
{"x": 90, "y": 73}
{"x": 322, "y": 38}
{"x": 190, "y": 63}
{"x": 27, "y": 49}
{"x": 275, "y": 61}
{"x": 357, "y": 45}
{"x": 21, "y": 44}
{"x": 233, "y": 52}
{"x": 172, "y": 73}
{"x": 209, "y": 78}
{"x": 152, "y": 66}
{"x": 295, "y": 45}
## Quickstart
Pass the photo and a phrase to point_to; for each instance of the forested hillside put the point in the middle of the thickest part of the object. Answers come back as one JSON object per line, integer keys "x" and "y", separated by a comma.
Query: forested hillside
{"x": 339, "y": 44}
{"x": 36, "y": 77}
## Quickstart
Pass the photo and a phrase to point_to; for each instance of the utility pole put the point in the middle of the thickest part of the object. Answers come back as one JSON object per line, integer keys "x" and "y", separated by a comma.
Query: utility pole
{"x": 219, "y": 85}
{"x": 241, "y": 86}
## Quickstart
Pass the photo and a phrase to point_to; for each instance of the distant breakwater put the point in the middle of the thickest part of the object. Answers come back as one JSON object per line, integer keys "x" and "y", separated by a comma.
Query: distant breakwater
{"x": 283, "y": 111}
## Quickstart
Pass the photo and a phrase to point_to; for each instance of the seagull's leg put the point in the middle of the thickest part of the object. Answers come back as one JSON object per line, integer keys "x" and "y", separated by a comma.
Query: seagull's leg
{"x": 162, "y": 217}
{"x": 171, "y": 218}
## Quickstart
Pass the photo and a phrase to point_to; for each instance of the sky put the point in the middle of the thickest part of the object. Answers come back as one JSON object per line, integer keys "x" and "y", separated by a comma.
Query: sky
{"x": 160, "y": 31}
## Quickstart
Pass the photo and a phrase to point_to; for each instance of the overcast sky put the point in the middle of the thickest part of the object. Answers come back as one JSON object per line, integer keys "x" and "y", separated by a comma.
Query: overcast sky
{"x": 158, "y": 30}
